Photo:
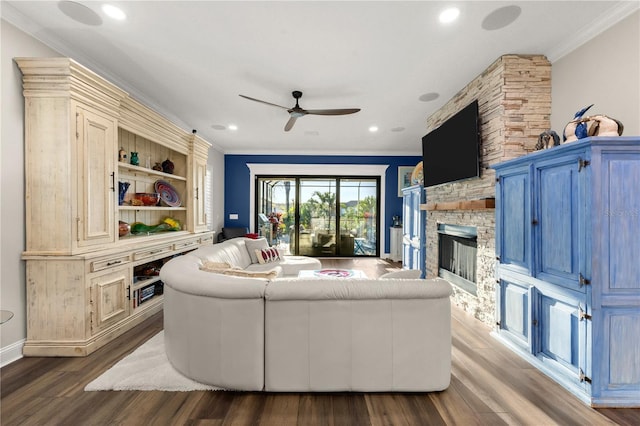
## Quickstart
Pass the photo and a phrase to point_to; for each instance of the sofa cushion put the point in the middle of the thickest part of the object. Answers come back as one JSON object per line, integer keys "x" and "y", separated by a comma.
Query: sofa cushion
{"x": 253, "y": 245}
{"x": 267, "y": 255}
{"x": 231, "y": 251}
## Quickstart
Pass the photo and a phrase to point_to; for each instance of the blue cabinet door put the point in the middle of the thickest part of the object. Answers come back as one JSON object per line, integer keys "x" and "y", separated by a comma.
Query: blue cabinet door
{"x": 560, "y": 340}
{"x": 514, "y": 307}
{"x": 617, "y": 363}
{"x": 616, "y": 231}
{"x": 413, "y": 222}
{"x": 559, "y": 221}
{"x": 513, "y": 219}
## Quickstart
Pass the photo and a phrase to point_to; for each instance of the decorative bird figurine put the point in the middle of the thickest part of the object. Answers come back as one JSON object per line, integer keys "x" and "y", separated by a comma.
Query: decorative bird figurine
{"x": 581, "y": 128}
{"x": 580, "y": 113}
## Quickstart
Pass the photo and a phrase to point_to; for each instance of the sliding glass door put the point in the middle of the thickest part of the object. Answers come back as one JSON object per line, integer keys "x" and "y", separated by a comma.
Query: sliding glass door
{"x": 359, "y": 217}
{"x": 320, "y": 216}
{"x": 275, "y": 209}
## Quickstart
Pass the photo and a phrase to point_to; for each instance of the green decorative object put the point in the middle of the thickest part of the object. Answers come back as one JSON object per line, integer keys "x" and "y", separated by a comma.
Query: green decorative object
{"x": 134, "y": 159}
{"x": 168, "y": 224}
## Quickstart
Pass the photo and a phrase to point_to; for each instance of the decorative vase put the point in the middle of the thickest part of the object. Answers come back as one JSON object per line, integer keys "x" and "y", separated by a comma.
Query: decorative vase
{"x": 123, "y": 228}
{"x": 167, "y": 166}
{"x": 134, "y": 159}
{"x": 122, "y": 155}
{"x": 158, "y": 167}
{"x": 122, "y": 190}
{"x": 168, "y": 224}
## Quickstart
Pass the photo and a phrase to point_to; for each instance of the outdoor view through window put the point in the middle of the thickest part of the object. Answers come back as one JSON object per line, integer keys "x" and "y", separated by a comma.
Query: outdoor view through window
{"x": 320, "y": 216}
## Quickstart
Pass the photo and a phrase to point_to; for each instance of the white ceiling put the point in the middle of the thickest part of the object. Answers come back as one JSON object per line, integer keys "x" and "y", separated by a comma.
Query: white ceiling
{"x": 190, "y": 60}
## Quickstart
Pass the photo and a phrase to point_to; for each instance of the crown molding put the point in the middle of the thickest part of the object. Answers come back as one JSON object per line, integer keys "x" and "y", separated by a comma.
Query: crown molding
{"x": 611, "y": 17}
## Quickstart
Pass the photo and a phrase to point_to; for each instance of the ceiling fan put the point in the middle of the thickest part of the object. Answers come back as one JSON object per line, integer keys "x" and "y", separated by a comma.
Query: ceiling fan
{"x": 297, "y": 112}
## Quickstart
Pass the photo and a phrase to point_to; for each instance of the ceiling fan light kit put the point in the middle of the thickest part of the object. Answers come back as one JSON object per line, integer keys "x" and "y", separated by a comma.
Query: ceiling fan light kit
{"x": 297, "y": 112}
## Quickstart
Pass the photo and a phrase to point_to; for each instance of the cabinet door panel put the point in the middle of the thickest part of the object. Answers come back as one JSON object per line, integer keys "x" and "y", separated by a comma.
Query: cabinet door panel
{"x": 514, "y": 217}
{"x": 199, "y": 208}
{"x": 413, "y": 228}
{"x": 515, "y": 312}
{"x": 559, "y": 228}
{"x": 109, "y": 299}
{"x": 96, "y": 180}
{"x": 562, "y": 344}
{"x": 619, "y": 245}
{"x": 619, "y": 367}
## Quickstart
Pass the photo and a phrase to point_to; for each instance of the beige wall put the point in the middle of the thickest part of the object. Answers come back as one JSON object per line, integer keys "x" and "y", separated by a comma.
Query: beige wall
{"x": 604, "y": 71}
{"x": 12, "y": 273}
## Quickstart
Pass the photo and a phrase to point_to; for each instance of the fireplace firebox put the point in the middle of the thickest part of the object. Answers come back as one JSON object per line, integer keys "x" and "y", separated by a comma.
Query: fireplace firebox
{"x": 457, "y": 255}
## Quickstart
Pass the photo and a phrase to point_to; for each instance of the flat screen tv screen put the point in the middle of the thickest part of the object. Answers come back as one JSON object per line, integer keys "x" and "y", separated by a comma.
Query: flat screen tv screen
{"x": 451, "y": 151}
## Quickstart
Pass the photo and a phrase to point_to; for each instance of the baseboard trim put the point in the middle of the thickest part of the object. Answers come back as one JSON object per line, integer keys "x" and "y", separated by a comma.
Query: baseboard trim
{"x": 11, "y": 353}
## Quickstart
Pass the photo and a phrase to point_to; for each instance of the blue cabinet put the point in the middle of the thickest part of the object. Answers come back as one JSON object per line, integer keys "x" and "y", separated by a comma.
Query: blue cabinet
{"x": 413, "y": 228}
{"x": 568, "y": 272}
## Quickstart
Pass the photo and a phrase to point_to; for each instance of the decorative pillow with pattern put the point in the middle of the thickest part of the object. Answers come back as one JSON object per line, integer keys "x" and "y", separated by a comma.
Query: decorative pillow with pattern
{"x": 267, "y": 255}
{"x": 254, "y": 246}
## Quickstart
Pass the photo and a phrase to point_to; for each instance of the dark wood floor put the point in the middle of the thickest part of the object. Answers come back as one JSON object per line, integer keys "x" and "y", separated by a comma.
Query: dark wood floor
{"x": 489, "y": 386}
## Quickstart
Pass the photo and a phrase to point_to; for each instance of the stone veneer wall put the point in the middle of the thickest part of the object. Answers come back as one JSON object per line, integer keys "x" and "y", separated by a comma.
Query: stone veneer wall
{"x": 514, "y": 100}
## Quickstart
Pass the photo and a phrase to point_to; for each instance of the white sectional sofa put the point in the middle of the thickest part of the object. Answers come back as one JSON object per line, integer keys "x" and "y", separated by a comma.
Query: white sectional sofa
{"x": 319, "y": 334}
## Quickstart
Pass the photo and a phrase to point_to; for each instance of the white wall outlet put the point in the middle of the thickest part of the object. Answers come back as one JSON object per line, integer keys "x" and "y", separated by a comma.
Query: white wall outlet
{"x": 233, "y": 216}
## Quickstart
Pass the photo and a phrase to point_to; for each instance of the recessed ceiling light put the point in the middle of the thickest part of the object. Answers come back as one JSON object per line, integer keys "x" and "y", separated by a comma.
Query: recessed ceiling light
{"x": 428, "y": 97}
{"x": 232, "y": 127}
{"x": 114, "y": 12}
{"x": 501, "y": 17}
{"x": 79, "y": 12}
{"x": 449, "y": 15}
{"x": 373, "y": 129}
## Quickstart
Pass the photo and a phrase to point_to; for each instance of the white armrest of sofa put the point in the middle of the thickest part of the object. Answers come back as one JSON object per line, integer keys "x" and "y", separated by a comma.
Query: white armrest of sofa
{"x": 214, "y": 325}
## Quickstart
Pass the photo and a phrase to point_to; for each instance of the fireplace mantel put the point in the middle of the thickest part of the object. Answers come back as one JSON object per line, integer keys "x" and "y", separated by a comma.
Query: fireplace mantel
{"x": 484, "y": 204}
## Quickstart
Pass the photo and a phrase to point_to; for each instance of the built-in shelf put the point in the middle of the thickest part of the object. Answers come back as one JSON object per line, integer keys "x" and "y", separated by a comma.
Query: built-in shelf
{"x": 149, "y": 172}
{"x": 484, "y": 204}
{"x": 155, "y": 208}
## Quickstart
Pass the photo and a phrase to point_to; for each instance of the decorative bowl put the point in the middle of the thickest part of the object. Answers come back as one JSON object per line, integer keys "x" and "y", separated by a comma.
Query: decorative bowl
{"x": 123, "y": 228}
{"x": 145, "y": 199}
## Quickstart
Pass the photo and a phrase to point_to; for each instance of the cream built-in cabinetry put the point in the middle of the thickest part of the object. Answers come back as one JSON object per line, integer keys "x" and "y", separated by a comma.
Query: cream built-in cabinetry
{"x": 84, "y": 282}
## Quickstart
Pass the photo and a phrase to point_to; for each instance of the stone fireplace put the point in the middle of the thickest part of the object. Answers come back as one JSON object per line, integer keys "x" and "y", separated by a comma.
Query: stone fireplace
{"x": 514, "y": 99}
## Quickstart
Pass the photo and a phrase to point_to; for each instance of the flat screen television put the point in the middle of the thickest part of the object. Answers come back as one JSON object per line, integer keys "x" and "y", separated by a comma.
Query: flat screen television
{"x": 451, "y": 152}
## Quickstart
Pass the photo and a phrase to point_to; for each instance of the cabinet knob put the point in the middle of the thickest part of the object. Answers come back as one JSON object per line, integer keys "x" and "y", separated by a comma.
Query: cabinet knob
{"x": 534, "y": 222}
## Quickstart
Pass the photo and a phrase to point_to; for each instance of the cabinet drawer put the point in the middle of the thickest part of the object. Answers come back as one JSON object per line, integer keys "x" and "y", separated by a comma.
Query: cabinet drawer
{"x": 194, "y": 243}
{"x": 208, "y": 239}
{"x": 99, "y": 265}
{"x": 153, "y": 251}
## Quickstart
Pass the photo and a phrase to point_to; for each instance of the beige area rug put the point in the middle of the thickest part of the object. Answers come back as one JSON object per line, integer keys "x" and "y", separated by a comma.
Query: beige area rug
{"x": 146, "y": 369}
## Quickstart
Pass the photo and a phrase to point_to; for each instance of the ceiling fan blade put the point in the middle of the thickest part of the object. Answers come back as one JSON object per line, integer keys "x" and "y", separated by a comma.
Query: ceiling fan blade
{"x": 290, "y": 123}
{"x": 342, "y": 111}
{"x": 263, "y": 102}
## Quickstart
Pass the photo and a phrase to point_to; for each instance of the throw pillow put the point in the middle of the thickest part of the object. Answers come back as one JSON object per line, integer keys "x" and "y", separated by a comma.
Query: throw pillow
{"x": 253, "y": 245}
{"x": 267, "y": 255}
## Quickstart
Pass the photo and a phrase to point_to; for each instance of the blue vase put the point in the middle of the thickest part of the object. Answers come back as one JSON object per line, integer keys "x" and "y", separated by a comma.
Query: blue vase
{"x": 122, "y": 190}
